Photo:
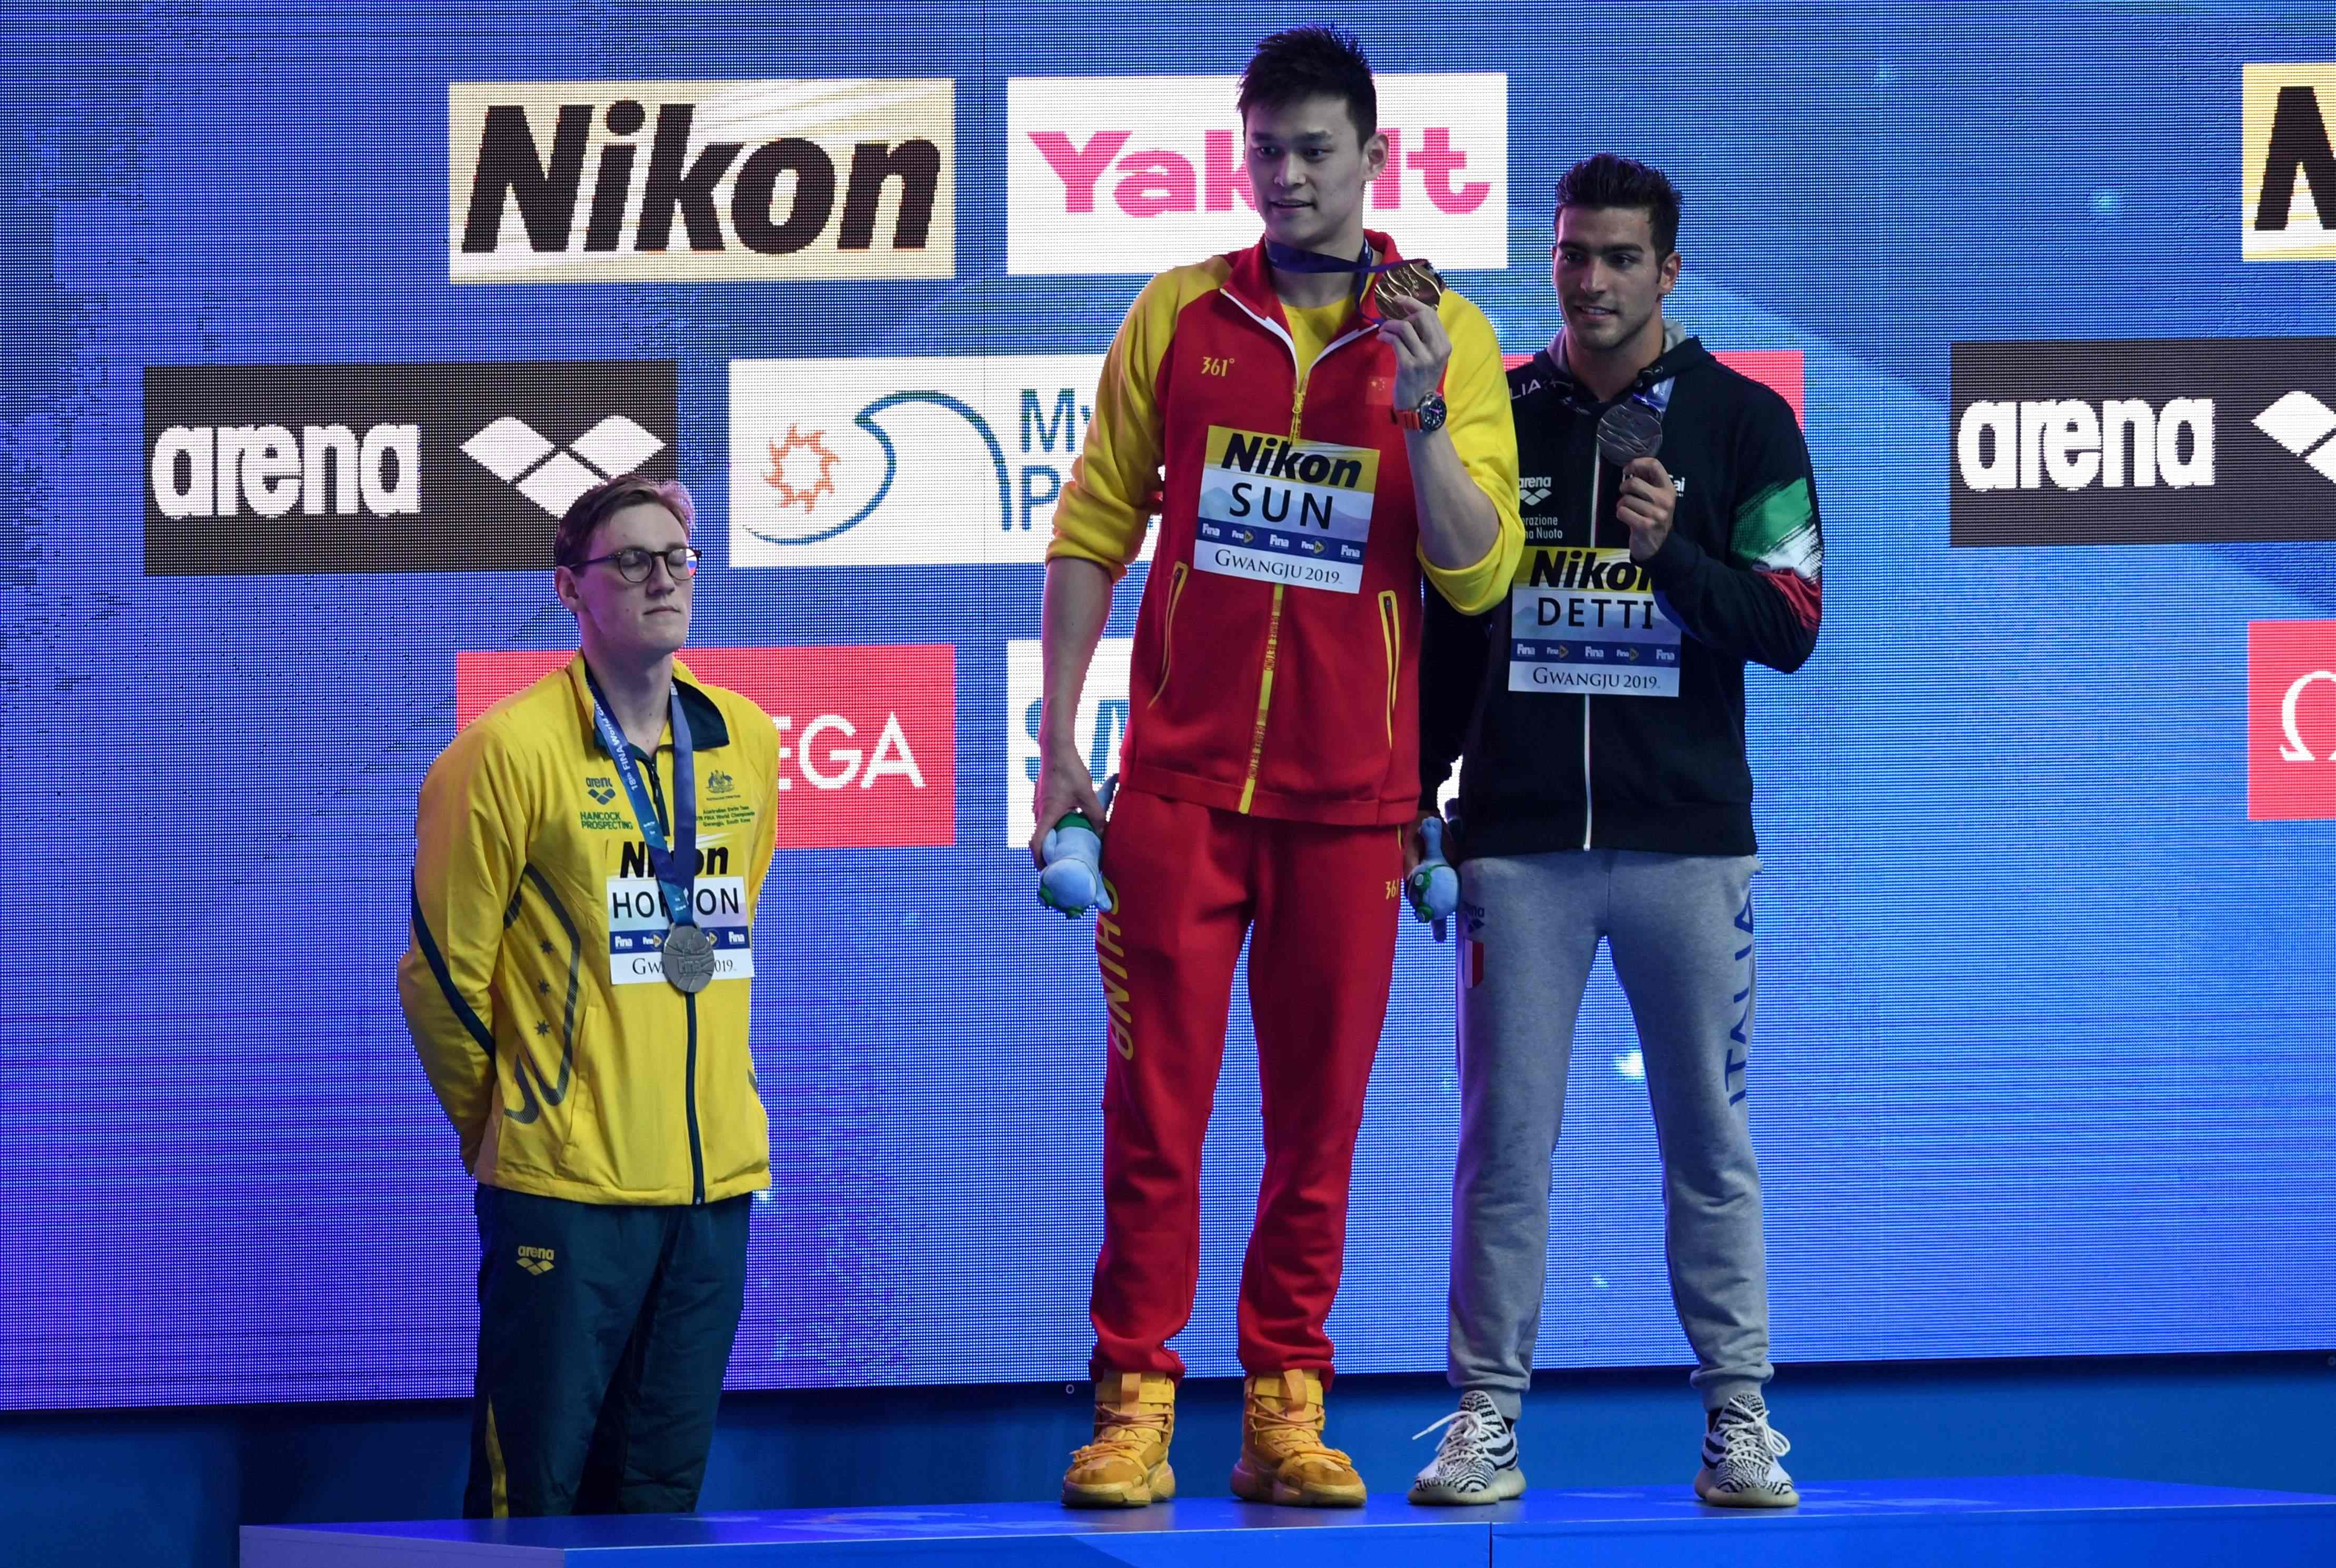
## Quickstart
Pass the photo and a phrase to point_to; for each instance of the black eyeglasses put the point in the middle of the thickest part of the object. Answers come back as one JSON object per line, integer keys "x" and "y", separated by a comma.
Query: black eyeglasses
{"x": 633, "y": 565}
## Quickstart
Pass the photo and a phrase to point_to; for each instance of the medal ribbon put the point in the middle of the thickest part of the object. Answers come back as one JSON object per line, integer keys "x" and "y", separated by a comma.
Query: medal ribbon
{"x": 1290, "y": 258}
{"x": 675, "y": 866}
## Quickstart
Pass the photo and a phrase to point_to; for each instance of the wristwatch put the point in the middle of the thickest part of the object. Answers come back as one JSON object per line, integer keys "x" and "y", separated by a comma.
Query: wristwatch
{"x": 1427, "y": 416}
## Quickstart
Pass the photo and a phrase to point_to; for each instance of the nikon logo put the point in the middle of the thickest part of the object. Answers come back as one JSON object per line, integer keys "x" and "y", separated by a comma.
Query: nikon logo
{"x": 635, "y": 861}
{"x": 1605, "y": 571}
{"x": 2287, "y": 171}
{"x": 700, "y": 182}
{"x": 1274, "y": 457}
{"x": 2072, "y": 445}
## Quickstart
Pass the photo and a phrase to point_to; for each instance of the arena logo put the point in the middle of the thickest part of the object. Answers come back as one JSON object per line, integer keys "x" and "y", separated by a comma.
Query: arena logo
{"x": 700, "y": 181}
{"x": 203, "y": 470}
{"x": 903, "y": 462}
{"x": 1101, "y": 725}
{"x": 553, "y": 476}
{"x": 2287, "y": 176}
{"x": 867, "y": 735}
{"x": 1132, "y": 174}
{"x": 316, "y": 468}
{"x": 2142, "y": 441}
{"x": 2290, "y": 720}
{"x": 2072, "y": 444}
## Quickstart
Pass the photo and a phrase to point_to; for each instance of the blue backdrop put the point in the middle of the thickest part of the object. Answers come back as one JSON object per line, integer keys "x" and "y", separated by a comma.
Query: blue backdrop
{"x": 2043, "y": 1056}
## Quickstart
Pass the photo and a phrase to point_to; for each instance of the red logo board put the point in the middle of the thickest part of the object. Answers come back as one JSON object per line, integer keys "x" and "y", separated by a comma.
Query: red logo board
{"x": 2290, "y": 720}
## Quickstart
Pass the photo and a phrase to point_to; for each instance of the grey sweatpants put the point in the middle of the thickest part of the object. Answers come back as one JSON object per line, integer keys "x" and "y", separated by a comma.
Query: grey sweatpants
{"x": 1679, "y": 931}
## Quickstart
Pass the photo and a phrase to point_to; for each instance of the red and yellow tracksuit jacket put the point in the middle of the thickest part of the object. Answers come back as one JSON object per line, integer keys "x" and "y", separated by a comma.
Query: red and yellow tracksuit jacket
{"x": 568, "y": 1067}
{"x": 1276, "y": 657}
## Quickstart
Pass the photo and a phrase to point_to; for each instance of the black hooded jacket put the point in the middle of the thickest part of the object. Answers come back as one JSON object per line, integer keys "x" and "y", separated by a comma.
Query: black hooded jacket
{"x": 1560, "y": 699}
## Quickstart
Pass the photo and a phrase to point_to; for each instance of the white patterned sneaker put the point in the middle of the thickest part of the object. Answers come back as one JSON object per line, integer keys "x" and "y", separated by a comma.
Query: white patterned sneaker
{"x": 1740, "y": 1451}
{"x": 1476, "y": 1462}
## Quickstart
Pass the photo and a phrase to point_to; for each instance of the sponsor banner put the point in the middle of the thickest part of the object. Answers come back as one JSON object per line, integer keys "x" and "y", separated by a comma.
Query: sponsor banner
{"x": 2290, "y": 720}
{"x": 1778, "y": 369}
{"x": 637, "y": 924}
{"x": 924, "y": 461}
{"x": 314, "y": 468}
{"x": 1101, "y": 721}
{"x": 2164, "y": 442}
{"x": 700, "y": 181}
{"x": 1133, "y": 174}
{"x": 2287, "y": 167}
{"x": 1273, "y": 509}
{"x": 867, "y": 735}
{"x": 1588, "y": 620}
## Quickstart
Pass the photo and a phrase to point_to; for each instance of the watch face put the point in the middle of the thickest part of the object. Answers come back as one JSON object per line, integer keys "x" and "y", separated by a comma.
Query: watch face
{"x": 1431, "y": 412}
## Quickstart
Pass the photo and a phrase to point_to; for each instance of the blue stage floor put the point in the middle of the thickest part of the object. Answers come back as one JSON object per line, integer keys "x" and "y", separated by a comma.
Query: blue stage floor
{"x": 2002, "y": 1521}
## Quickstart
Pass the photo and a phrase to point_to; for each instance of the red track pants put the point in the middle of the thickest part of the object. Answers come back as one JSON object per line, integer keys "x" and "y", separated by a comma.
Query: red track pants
{"x": 1189, "y": 880}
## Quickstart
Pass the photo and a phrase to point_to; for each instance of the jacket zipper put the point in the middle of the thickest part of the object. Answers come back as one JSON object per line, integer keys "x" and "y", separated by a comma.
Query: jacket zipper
{"x": 689, "y": 1101}
{"x": 1273, "y": 621}
{"x": 1597, "y": 457}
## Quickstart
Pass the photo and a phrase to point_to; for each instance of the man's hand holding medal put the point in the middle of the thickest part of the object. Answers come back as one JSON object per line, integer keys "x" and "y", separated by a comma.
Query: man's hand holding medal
{"x": 1405, "y": 297}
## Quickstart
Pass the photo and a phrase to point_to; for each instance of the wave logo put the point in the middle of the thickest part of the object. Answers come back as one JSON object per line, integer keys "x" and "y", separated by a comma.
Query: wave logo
{"x": 912, "y": 462}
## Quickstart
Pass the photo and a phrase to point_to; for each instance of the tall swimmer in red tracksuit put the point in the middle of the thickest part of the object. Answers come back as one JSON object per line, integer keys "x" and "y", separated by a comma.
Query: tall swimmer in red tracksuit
{"x": 1313, "y": 443}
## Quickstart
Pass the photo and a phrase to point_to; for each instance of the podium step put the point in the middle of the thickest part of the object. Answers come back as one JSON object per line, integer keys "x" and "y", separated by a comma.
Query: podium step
{"x": 2005, "y": 1522}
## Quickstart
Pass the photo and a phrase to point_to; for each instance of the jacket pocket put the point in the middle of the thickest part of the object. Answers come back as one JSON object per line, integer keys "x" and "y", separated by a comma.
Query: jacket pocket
{"x": 734, "y": 1124}
{"x": 1168, "y": 632}
{"x": 1391, "y": 638}
{"x": 547, "y": 1112}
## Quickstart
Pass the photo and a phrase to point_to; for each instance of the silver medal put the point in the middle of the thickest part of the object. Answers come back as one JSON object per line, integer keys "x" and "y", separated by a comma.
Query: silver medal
{"x": 1629, "y": 429}
{"x": 687, "y": 959}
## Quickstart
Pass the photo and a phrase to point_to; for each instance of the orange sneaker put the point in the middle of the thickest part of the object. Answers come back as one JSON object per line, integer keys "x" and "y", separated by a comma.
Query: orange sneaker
{"x": 1283, "y": 1458}
{"x": 1126, "y": 1466}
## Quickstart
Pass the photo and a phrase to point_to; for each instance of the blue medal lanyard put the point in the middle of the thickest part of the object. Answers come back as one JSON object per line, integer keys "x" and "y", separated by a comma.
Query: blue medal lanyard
{"x": 675, "y": 866}
{"x": 1290, "y": 258}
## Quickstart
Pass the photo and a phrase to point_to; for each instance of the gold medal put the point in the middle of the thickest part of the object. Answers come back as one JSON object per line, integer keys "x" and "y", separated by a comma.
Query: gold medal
{"x": 1414, "y": 281}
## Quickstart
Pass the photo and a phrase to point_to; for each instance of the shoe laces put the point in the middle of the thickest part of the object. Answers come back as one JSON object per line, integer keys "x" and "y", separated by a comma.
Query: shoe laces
{"x": 1746, "y": 1439}
{"x": 1126, "y": 1429}
{"x": 1289, "y": 1435}
{"x": 1465, "y": 1431}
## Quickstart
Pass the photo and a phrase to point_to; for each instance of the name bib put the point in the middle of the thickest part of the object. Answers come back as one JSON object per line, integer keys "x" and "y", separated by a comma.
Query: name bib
{"x": 1585, "y": 620}
{"x": 637, "y": 924}
{"x": 1274, "y": 510}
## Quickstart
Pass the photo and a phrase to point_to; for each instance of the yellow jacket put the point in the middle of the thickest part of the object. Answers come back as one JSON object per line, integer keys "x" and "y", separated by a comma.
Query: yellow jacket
{"x": 568, "y": 1068}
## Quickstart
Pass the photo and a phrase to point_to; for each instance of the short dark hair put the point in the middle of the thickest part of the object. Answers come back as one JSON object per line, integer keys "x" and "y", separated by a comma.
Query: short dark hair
{"x": 605, "y": 500}
{"x": 1312, "y": 62}
{"x": 1604, "y": 179}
